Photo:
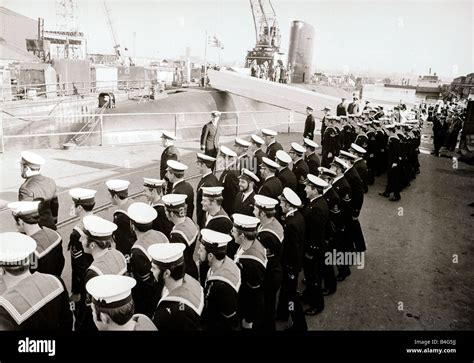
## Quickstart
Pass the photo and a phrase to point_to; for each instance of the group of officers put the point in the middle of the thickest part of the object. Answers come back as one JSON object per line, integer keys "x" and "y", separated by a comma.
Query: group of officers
{"x": 234, "y": 264}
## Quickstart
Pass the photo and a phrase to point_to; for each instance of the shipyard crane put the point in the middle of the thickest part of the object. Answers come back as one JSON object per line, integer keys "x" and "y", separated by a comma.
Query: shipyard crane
{"x": 118, "y": 50}
{"x": 267, "y": 34}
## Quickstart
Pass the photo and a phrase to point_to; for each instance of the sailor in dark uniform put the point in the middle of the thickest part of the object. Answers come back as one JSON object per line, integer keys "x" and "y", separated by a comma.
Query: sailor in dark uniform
{"x": 84, "y": 202}
{"x": 175, "y": 173}
{"x": 292, "y": 261}
{"x": 113, "y": 307}
{"x": 300, "y": 168}
{"x": 244, "y": 199}
{"x": 272, "y": 145}
{"x": 208, "y": 179}
{"x": 285, "y": 174}
{"x": 31, "y": 302}
{"x": 316, "y": 215}
{"x": 39, "y": 187}
{"x": 360, "y": 164}
{"x": 371, "y": 153}
{"x": 393, "y": 165}
{"x": 241, "y": 148}
{"x": 326, "y": 111}
{"x": 153, "y": 191}
{"x": 309, "y": 124}
{"x": 222, "y": 283}
{"x": 330, "y": 146}
{"x": 210, "y": 135}
{"x": 182, "y": 298}
{"x": 270, "y": 235}
{"x": 251, "y": 258}
{"x": 270, "y": 186}
{"x": 184, "y": 231}
{"x": 106, "y": 261}
{"x": 169, "y": 153}
{"x": 310, "y": 156}
{"x": 48, "y": 257}
{"x": 229, "y": 178}
{"x": 145, "y": 293}
{"x": 123, "y": 237}
{"x": 257, "y": 153}
{"x": 381, "y": 152}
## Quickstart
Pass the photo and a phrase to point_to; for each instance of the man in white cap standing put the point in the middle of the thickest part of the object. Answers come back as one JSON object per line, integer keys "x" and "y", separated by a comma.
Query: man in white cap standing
{"x": 39, "y": 187}
{"x": 270, "y": 186}
{"x": 272, "y": 145}
{"x": 113, "y": 306}
{"x": 309, "y": 124}
{"x": 208, "y": 179}
{"x": 124, "y": 237}
{"x": 210, "y": 135}
{"x": 169, "y": 153}
{"x": 257, "y": 153}
{"x": 241, "y": 149}
{"x": 229, "y": 178}
{"x": 285, "y": 174}
{"x": 222, "y": 283}
{"x": 182, "y": 299}
{"x": 31, "y": 301}
{"x": 153, "y": 190}
{"x": 175, "y": 174}
{"x": 49, "y": 257}
{"x": 244, "y": 198}
{"x": 300, "y": 168}
{"x": 310, "y": 156}
{"x": 292, "y": 261}
{"x": 251, "y": 257}
{"x": 145, "y": 293}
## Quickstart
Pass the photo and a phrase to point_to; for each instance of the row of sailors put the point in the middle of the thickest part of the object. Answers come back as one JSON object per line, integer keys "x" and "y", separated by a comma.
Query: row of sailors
{"x": 276, "y": 256}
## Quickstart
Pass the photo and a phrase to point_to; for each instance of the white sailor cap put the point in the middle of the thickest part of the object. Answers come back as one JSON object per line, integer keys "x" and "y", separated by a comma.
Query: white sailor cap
{"x": 339, "y": 162}
{"x": 326, "y": 172}
{"x": 98, "y": 227}
{"x": 347, "y": 155}
{"x": 291, "y": 197}
{"x": 205, "y": 159}
{"x": 173, "y": 201}
{"x": 83, "y": 195}
{"x": 227, "y": 152}
{"x": 270, "y": 164}
{"x": 153, "y": 183}
{"x": 24, "y": 208}
{"x": 326, "y": 109}
{"x": 167, "y": 135}
{"x": 257, "y": 139}
{"x": 343, "y": 117}
{"x": 214, "y": 241}
{"x": 30, "y": 158}
{"x": 167, "y": 254}
{"x": 310, "y": 143}
{"x": 248, "y": 175}
{"x": 368, "y": 123}
{"x": 212, "y": 192}
{"x": 310, "y": 108}
{"x": 215, "y": 113}
{"x": 240, "y": 142}
{"x": 117, "y": 185}
{"x": 245, "y": 222}
{"x": 390, "y": 127}
{"x": 264, "y": 202}
{"x": 15, "y": 247}
{"x": 268, "y": 132}
{"x": 111, "y": 291}
{"x": 141, "y": 213}
{"x": 297, "y": 148}
{"x": 283, "y": 157}
{"x": 358, "y": 149}
{"x": 316, "y": 181}
{"x": 176, "y": 166}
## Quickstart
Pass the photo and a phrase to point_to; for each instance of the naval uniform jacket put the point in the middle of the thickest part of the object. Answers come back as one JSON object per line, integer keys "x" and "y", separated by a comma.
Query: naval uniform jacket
{"x": 229, "y": 179}
{"x": 39, "y": 187}
{"x": 210, "y": 139}
{"x": 181, "y": 309}
{"x": 357, "y": 190}
{"x": 244, "y": 206}
{"x": 169, "y": 153}
{"x": 309, "y": 125}
{"x": 123, "y": 236}
{"x": 221, "y": 297}
{"x": 161, "y": 223}
{"x": 271, "y": 237}
{"x": 187, "y": 233}
{"x": 316, "y": 215}
{"x": 272, "y": 149}
{"x": 145, "y": 294}
{"x": 252, "y": 263}
{"x": 80, "y": 260}
{"x": 301, "y": 170}
{"x": 258, "y": 155}
{"x": 38, "y": 302}
{"x": 208, "y": 180}
{"x": 361, "y": 166}
{"x": 287, "y": 178}
{"x": 271, "y": 187}
{"x": 49, "y": 252}
{"x": 343, "y": 189}
{"x": 313, "y": 163}
{"x": 219, "y": 222}
{"x": 293, "y": 242}
{"x": 335, "y": 218}
{"x": 183, "y": 187}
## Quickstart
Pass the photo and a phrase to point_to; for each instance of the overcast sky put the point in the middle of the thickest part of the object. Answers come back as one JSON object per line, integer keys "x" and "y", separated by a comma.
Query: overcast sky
{"x": 380, "y": 36}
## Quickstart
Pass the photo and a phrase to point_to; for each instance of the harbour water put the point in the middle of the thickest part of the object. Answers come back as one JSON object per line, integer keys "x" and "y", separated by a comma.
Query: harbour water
{"x": 391, "y": 96}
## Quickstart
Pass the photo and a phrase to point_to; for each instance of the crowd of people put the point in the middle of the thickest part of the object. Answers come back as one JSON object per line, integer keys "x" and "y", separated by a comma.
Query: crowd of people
{"x": 227, "y": 255}
{"x": 277, "y": 73}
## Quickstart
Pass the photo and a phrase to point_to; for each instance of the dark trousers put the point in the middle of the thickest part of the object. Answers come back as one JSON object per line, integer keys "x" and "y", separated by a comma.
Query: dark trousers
{"x": 329, "y": 276}
{"x": 393, "y": 181}
{"x": 345, "y": 244}
{"x": 289, "y": 302}
{"x": 271, "y": 285}
{"x": 213, "y": 153}
{"x": 313, "y": 272}
{"x": 355, "y": 232}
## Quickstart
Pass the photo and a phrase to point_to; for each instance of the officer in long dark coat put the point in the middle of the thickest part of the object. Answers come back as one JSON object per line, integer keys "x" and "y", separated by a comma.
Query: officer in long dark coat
{"x": 300, "y": 168}
{"x": 39, "y": 187}
{"x": 360, "y": 164}
{"x": 309, "y": 124}
{"x": 210, "y": 135}
{"x": 169, "y": 153}
{"x": 330, "y": 143}
{"x": 393, "y": 166}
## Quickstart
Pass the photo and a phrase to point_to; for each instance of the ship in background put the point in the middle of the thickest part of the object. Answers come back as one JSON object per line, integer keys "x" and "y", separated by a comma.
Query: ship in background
{"x": 429, "y": 84}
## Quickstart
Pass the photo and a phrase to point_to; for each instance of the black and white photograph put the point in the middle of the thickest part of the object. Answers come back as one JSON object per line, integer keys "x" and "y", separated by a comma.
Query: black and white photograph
{"x": 237, "y": 171}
